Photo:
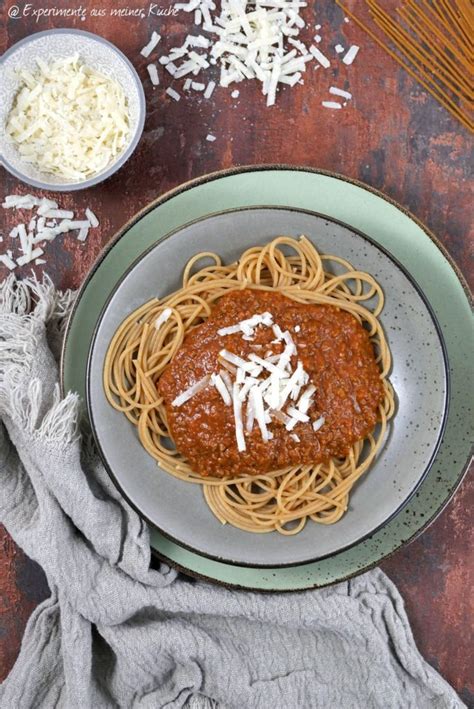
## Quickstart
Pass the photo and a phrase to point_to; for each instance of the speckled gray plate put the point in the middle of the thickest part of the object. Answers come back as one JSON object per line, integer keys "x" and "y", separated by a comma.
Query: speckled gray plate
{"x": 94, "y": 51}
{"x": 389, "y": 225}
{"x": 419, "y": 376}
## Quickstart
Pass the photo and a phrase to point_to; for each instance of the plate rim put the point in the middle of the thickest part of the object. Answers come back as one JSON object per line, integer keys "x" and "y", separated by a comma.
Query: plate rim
{"x": 193, "y": 567}
{"x": 228, "y": 172}
{"x": 396, "y": 263}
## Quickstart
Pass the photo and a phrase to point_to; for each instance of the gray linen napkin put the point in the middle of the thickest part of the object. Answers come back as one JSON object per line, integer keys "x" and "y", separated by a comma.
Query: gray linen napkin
{"x": 115, "y": 633}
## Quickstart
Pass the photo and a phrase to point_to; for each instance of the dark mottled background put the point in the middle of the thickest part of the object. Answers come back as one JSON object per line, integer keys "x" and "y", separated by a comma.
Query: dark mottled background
{"x": 393, "y": 136}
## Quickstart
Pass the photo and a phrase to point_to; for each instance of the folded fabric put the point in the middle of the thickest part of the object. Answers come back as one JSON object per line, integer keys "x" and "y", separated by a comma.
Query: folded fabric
{"x": 114, "y": 632}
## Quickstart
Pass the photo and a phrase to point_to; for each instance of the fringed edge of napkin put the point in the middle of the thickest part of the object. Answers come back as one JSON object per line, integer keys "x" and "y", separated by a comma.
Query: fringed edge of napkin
{"x": 30, "y": 310}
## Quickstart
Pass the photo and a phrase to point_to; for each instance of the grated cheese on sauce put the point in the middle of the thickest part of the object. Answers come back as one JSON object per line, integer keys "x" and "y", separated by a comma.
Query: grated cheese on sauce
{"x": 68, "y": 119}
{"x": 270, "y": 387}
{"x": 191, "y": 391}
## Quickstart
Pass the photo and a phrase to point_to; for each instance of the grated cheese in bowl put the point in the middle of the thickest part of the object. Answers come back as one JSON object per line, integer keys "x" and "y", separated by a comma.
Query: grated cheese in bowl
{"x": 68, "y": 119}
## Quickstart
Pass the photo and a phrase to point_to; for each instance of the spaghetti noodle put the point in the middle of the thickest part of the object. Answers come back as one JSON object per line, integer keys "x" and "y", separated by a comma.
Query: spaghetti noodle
{"x": 433, "y": 42}
{"x": 147, "y": 341}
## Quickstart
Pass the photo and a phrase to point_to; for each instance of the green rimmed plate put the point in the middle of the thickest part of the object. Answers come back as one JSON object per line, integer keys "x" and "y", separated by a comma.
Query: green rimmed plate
{"x": 389, "y": 226}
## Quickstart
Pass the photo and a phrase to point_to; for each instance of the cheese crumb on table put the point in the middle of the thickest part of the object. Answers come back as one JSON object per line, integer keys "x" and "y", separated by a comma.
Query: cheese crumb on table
{"x": 351, "y": 54}
{"x": 173, "y": 94}
{"x": 31, "y": 241}
{"x": 340, "y": 92}
{"x": 153, "y": 74}
{"x": 148, "y": 48}
{"x": 246, "y": 40}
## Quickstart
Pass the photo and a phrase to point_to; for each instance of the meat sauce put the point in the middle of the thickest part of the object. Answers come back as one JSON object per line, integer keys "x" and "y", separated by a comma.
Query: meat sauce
{"x": 337, "y": 355}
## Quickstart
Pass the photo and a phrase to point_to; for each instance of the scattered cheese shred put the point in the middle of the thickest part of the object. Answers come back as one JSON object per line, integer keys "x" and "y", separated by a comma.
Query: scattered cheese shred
{"x": 39, "y": 231}
{"x": 35, "y": 253}
{"x": 351, "y": 54}
{"x": 94, "y": 222}
{"x": 153, "y": 74}
{"x": 340, "y": 92}
{"x": 148, "y": 48}
{"x": 209, "y": 89}
{"x": 319, "y": 56}
{"x": 163, "y": 317}
{"x": 173, "y": 94}
{"x": 7, "y": 261}
{"x": 331, "y": 104}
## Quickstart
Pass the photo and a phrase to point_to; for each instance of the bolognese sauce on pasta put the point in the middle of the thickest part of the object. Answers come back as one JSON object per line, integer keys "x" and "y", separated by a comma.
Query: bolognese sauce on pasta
{"x": 261, "y": 381}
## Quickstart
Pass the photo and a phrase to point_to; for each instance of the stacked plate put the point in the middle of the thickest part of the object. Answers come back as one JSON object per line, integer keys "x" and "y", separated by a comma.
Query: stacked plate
{"x": 427, "y": 319}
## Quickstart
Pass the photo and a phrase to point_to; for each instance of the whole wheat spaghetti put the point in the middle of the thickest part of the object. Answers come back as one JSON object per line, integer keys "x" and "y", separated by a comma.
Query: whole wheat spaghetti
{"x": 146, "y": 342}
{"x": 433, "y": 41}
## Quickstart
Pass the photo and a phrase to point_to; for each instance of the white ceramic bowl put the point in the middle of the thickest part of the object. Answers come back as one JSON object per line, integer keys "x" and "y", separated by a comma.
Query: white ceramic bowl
{"x": 96, "y": 52}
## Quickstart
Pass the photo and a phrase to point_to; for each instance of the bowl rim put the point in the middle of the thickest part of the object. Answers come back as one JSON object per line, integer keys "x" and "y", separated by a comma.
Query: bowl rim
{"x": 127, "y": 153}
{"x": 144, "y": 254}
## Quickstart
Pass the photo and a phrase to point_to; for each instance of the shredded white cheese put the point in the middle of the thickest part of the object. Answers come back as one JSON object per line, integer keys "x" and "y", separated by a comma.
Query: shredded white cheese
{"x": 249, "y": 42}
{"x": 340, "y": 92}
{"x": 320, "y": 57}
{"x": 83, "y": 233}
{"x": 331, "y": 104}
{"x": 7, "y": 261}
{"x": 318, "y": 423}
{"x": 93, "y": 221}
{"x": 173, "y": 94}
{"x": 148, "y": 48}
{"x": 39, "y": 230}
{"x": 153, "y": 74}
{"x": 351, "y": 54}
{"x": 237, "y": 361}
{"x": 265, "y": 389}
{"x": 209, "y": 89}
{"x": 163, "y": 317}
{"x": 28, "y": 257}
{"x": 221, "y": 387}
{"x": 191, "y": 391}
{"x": 68, "y": 119}
{"x": 239, "y": 426}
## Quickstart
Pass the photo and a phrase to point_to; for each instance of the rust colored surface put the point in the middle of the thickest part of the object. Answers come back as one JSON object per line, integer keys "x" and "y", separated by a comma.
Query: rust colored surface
{"x": 392, "y": 135}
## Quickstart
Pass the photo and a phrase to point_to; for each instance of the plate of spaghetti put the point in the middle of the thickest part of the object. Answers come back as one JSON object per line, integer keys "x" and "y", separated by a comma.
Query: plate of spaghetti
{"x": 267, "y": 386}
